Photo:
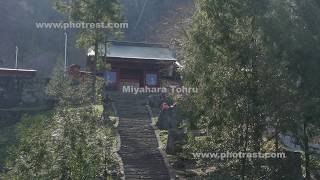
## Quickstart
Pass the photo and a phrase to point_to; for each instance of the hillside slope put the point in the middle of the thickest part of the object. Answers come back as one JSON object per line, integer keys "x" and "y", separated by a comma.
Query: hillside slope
{"x": 40, "y": 48}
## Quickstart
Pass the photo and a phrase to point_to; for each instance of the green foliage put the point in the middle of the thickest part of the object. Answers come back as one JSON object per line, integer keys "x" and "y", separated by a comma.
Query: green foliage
{"x": 69, "y": 144}
{"x": 26, "y": 158}
{"x": 70, "y": 92}
{"x": 101, "y": 87}
{"x": 7, "y": 138}
{"x": 254, "y": 64}
{"x": 59, "y": 82}
{"x": 94, "y": 11}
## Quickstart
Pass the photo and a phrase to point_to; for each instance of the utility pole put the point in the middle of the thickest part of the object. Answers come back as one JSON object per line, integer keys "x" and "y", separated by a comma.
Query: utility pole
{"x": 65, "y": 51}
{"x": 17, "y": 51}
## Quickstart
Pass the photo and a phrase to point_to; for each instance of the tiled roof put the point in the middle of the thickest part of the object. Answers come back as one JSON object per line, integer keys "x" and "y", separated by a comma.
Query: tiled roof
{"x": 131, "y": 50}
{"x": 17, "y": 72}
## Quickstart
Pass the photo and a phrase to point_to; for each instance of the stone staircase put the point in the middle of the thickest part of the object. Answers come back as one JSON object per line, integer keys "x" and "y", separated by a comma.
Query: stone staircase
{"x": 139, "y": 150}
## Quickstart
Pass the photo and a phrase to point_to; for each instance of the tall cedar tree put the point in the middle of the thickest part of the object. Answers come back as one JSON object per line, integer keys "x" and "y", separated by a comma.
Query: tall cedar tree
{"x": 93, "y": 11}
{"x": 247, "y": 58}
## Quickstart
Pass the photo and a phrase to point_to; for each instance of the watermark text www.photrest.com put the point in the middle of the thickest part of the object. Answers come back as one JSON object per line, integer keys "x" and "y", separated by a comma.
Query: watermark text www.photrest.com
{"x": 239, "y": 155}
{"x": 80, "y": 25}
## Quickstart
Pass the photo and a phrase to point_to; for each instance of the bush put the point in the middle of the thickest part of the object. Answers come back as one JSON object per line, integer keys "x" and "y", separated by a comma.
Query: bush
{"x": 71, "y": 143}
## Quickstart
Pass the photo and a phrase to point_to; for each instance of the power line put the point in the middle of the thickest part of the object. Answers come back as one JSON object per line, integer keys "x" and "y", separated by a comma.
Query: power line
{"x": 141, "y": 13}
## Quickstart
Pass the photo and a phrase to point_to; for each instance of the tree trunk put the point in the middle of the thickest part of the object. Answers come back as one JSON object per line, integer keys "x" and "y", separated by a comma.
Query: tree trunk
{"x": 306, "y": 150}
{"x": 277, "y": 165}
{"x": 277, "y": 138}
{"x": 94, "y": 70}
{"x": 257, "y": 120}
{"x": 244, "y": 160}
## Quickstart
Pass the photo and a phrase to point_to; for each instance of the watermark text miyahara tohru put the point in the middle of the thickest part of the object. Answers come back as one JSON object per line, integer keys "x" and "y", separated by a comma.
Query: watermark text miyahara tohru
{"x": 170, "y": 89}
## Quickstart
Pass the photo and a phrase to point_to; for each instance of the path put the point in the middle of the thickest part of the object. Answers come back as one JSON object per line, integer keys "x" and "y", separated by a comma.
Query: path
{"x": 139, "y": 146}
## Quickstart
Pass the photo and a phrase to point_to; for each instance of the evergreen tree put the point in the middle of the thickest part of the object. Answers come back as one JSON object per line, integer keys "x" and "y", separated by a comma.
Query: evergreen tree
{"x": 69, "y": 143}
{"x": 93, "y": 11}
{"x": 244, "y": 57}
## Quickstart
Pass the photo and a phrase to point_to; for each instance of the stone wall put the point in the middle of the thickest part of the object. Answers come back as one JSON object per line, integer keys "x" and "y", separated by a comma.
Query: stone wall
{"x": 22, "y": 92}
{"x": 18, "y": 96}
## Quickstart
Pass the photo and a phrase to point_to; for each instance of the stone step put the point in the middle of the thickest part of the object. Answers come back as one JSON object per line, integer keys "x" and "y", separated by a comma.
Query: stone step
{"x": 138, "y": 157}
{"x": 137, "y": 145}
{"x": 129, "y": 110}
{"x": 139, "y": 148}
{"x": 131, "y": 136}
{"x": 133, "y": 142}
{"x": 147, "y": 173}
{"x": 135, "y": 130}
{"x": 139, "y": 138}
{"x": 121, "y": 102}
{"x": 140, "y": 125}
{"x": 129, "y": 98}
{"x": 137, "y": 106}
{"x": 155, "y": 161}
{"x": 137, "y": 119}
{"x": 130, "y": 106}
{"x": 137, "y": 114}
{"x": 125, "y": 127}
{"x": 147, "y": 143}
{"x": 136, "y": 123}
{"x": 143, "y": 173}
{"x": 134, "y": 149}
{"x": 153, "y": 174}
{"x": 163, "y": 177}
{"x": 141, "y": 169}
{"x": 128, "y": 151}
{"x": 133, "y": 114}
